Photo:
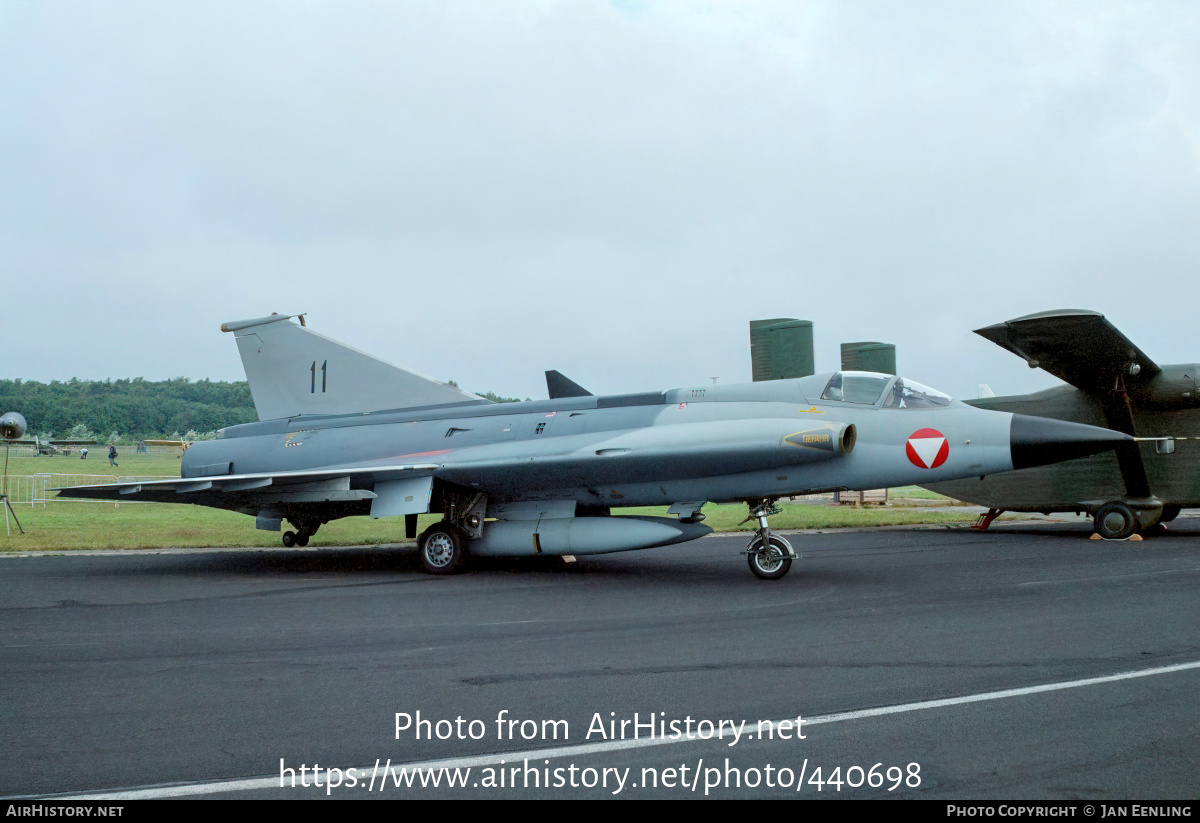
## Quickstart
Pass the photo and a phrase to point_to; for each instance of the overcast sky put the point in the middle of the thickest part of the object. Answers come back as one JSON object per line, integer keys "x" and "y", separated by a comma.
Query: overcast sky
{"x": 485, "y": 190}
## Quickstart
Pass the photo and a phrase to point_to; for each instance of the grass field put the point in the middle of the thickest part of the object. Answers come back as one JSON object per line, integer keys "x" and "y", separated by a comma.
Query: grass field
{"x": 916, "y": 493}
{"x": 74, "y": 525}
{"x": 130, "y": 464}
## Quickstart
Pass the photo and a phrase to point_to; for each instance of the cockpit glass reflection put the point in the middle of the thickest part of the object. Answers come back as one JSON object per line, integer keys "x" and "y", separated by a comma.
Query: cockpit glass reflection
{"x": 856, "y": 387}
{"x": 909, "y": 394}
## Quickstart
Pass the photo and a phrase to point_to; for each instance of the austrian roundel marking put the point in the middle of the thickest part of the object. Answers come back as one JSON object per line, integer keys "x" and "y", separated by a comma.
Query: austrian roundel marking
{"x": 927, "y": 448}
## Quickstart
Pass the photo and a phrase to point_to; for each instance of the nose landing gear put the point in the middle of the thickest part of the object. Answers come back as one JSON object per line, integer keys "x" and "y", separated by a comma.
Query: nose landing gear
{"x": 769, "y": 555}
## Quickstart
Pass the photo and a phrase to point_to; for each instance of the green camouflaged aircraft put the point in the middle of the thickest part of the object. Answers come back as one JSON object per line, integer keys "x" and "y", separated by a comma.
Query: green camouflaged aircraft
{"x": 1112, "y": 383}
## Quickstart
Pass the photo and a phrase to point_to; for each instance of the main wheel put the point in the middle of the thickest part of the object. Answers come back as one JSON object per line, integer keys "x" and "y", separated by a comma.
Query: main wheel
{"x": 1170, "y": 513}
{"x": 302, "y": 539}
{"x": 1115, "y": 521}
{"x": 289, "y": 539}
{"x": 443, "y": 548}
{"x": 772, "y": 562}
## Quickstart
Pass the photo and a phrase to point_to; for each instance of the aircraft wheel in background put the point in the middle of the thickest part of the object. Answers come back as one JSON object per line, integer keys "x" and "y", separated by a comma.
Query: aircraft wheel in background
{"x": 443, "y": 548}
{"x": 302, "y": 539}
{"x": 289, "y": 539}
{"x": 1170, "y": 513}
{"x": 1115, "y": 521}
{"x": 771, "y": 563}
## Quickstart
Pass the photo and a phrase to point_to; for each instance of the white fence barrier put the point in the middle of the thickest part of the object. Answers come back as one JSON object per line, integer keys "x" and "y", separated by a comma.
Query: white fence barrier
{"x": 37, "y": 488}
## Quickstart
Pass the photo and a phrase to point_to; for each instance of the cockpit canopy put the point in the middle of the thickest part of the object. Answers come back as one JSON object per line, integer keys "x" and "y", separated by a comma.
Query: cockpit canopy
{"x": 866, "y": 388}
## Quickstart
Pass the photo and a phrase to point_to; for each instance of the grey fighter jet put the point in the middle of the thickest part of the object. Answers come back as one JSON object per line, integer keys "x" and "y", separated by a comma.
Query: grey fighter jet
{"x": 342, "y": 433}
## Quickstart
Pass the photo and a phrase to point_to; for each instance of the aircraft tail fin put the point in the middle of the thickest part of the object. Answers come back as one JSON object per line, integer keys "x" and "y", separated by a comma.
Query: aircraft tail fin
{"x": 293, "y": 370}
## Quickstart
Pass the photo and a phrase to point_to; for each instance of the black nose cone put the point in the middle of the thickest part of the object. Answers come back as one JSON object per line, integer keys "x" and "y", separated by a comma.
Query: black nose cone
{"x": 1036, "y": 441}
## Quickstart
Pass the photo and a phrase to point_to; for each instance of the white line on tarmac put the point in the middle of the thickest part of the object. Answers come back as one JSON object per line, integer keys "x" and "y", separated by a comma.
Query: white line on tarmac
{"x": 273, "y": 782}
{"x": 1108, "y": 577}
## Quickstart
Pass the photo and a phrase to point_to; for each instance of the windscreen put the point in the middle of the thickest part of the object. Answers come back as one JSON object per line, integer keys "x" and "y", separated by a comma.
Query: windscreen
{"x": 856, "y": 387}
{"x": 909, "y": 394}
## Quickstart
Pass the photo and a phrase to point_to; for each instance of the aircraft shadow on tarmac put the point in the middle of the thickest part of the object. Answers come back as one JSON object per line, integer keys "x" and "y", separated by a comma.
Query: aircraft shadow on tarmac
{"x": 670, "y": 565}
{"x": 390, "y": 560}
{"x": 1183, "y": 527}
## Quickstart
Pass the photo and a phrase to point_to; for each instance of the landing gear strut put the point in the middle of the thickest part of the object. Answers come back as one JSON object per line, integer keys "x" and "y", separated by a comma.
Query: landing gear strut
{"x": 769, "y": 555}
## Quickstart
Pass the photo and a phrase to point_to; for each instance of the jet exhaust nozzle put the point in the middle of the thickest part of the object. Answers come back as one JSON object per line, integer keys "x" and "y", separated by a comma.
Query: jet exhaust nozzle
{"x": 1035, "y": 441}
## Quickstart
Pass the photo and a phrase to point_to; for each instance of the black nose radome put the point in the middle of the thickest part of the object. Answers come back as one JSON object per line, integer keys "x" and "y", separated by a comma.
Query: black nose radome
{"x": 1036, "y": 441}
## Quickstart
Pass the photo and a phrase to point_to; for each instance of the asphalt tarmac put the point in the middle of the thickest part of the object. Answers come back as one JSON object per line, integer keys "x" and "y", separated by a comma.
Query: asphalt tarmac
{"x": 1027, "y": 662}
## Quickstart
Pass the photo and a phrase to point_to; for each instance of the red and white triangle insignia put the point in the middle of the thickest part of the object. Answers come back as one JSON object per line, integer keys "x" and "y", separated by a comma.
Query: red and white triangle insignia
{"x": 927, "y": 448}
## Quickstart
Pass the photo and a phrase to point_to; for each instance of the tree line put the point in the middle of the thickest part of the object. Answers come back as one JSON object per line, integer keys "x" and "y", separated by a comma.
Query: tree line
{"x": 136, "y": 409}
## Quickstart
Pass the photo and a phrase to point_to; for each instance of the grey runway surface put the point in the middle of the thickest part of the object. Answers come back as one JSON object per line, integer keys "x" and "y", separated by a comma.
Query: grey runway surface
{"x": 181, "y": 672}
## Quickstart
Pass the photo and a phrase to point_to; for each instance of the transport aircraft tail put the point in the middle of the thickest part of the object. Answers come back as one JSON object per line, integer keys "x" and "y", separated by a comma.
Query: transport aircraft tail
{"x": 294, "y": 371}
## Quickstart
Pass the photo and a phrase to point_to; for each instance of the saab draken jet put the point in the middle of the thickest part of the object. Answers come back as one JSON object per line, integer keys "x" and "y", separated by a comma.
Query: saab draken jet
{"x": 342, "y": 434}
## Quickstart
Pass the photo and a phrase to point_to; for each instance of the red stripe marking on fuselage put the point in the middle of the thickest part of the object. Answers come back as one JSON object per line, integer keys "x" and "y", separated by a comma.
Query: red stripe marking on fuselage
{"x": 422, "y": 454}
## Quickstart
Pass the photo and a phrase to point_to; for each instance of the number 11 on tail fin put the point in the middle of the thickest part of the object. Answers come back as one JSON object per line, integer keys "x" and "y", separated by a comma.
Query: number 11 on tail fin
{"x": 292, "y": 370}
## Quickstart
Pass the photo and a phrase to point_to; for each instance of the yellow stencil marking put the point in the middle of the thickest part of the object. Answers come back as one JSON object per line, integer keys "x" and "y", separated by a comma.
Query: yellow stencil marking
{"x": 822, "y": 439}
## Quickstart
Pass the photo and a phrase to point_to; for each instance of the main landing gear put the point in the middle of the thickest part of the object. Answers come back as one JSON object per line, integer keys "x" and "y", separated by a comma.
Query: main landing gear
{"x": 300, "y": 536}
{"x": 1115, "y": 521}
{"x": 769, "y": 555}
{"x": 443, "y": 548}
{"x": 1121, "y": 519}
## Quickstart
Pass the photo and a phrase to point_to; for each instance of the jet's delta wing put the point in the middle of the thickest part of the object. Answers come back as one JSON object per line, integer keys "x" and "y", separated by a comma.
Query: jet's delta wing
{"x": 344, "y": 434}
{"x": 263, "y": 493}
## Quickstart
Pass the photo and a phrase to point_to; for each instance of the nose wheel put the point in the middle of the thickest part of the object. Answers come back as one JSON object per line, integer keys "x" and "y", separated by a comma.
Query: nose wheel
{"x": 769, "y": 555}
{"x": 769, "y": 561}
